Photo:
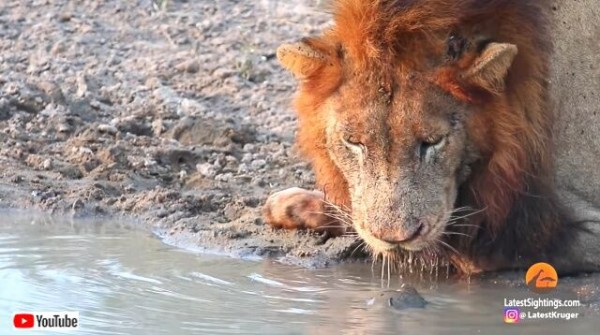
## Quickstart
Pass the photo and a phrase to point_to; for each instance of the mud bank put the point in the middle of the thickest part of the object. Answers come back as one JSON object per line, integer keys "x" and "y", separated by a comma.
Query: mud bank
{"x": 171, "y": 112}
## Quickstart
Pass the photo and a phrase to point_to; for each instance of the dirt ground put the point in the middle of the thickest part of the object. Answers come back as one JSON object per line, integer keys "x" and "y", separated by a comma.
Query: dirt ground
{"x": 174, "y": 112}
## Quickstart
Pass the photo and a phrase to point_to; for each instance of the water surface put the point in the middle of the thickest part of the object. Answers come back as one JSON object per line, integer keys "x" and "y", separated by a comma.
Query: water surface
{"x": 123, "y": 280}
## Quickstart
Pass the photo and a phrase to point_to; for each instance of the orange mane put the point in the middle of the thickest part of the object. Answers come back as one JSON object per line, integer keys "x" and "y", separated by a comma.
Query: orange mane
{"x": 513, "y": 180}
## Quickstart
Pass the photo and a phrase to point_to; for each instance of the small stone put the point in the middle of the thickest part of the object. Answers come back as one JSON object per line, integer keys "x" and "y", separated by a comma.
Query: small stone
{"x": 95, "y": 104}
{"x": 207, "y": 170}
{"x": 64, "y": 17}
{"x": 83, "y": 151}
{"x": 248, "y": 147}
{"x": 82, "y": 86}
{"x": 243, "y": 168}
{"x": 52, "y": 90}
{"x": 149, "y": 162}
{"x": 47, "y": 164}
{"x": 220, "y": 163}
{"x": 63, "y": 128}
{"x": 224, "y": 177}
{"x": 70, "y": 171}
{"x": 58, "y": 48}
{"x": 251, "y": 201}
{"x": 158, "y": 127}
{"x": 232, "y": 211}
{"x": 258, "y": 164}
{"x": 247, "y": 158}
{"x": 406, "y": 297}
{"x": 16, "y": 179}
{"x": 191, "y": 107}
{"x": 183, "y": 40}
{"x": 259, "y": 182}
{"x": 189, "y": 66}
{"x": 153, "y": 83}
{"x": 162, "y": 213}
{"x": 106, "y": 128}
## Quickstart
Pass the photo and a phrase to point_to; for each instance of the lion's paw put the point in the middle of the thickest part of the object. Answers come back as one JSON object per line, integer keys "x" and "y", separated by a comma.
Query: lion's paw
{"x": 297, "y": 208}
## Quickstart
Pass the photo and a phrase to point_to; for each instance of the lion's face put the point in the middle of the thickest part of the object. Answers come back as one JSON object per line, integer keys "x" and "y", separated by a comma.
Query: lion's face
{"x": 403, "y": 155}
{"x": 403, "y": 130}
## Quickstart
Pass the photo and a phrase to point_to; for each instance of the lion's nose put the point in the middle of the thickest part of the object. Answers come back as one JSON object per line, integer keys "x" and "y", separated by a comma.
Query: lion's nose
{"x": 397, "y": 236}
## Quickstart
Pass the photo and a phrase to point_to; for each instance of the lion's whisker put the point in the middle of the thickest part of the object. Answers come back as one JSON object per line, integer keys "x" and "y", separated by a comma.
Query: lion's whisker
{"x": 466, "y": 216}
{"x": 361, "y": 245}
{"x": 448, "y": 246}
{"x": 461, "y": 209}
{"x": 455, "y": 233}
{"x": 459, "y": 224}
{"x": 333, "y": 216}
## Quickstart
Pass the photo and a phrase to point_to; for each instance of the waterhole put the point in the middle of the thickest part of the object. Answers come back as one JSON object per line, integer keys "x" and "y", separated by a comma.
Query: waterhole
{"x": 123, "y": 280}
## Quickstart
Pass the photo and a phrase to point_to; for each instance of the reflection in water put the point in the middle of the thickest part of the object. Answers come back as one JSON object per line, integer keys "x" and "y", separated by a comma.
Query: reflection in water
{"x": 124, "y": 281}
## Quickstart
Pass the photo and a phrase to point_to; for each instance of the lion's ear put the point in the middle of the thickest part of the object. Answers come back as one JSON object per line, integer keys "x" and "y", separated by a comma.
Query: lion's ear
{"x": 491, "y": 67}
{"x": 300, "y": 59}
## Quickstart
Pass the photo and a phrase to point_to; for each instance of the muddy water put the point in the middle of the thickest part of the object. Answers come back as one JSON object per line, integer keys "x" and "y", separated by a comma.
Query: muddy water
{"x": 122, "y": 280}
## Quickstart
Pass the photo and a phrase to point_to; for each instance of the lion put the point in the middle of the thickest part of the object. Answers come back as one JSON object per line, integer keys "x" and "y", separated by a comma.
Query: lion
{"x": 429, "y": 129}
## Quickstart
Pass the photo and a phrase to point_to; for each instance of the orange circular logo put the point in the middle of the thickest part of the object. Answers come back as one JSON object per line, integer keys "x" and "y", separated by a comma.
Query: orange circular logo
{"x": 541, "y": 278}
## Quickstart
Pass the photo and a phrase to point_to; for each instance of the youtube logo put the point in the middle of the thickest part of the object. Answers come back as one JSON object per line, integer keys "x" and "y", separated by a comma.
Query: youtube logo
{"x": 23, "y": 321}
{"x": 46, "y": 320}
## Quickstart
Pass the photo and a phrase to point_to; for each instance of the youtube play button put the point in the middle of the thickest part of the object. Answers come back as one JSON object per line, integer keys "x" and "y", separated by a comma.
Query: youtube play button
{"x": 23, "y": 320}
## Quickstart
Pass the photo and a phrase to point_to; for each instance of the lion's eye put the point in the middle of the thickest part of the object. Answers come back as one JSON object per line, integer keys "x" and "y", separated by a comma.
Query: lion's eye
{"x": 428, "y": 148}
{"x": 353, "y": 143}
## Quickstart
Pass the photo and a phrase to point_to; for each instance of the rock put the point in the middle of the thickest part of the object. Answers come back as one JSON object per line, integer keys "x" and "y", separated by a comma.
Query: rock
{"x": 65, "y": 17}
{"x": 192, "y": 107}
{"x": 224, "y": 177}
{"x": 158, "y": 127}
{"x": 133, "y": 125}
{"x": 52, "y": 90}
{"x": 69, "y": 171}
{"x": 247, "y": 158}
{"x": 107, "y": 128}
{"x": 207, "y": 170}
{"x": 82, "y": 86}
{"x": 208, "y": 131}
{"x": 258, "y": 164}
{"x": 153, "y": 83}
{"x": 77, "y": 205}
{"x": 47, "y": 164}
{"x": 181, "y": 41}
{"x": 233, "y": 211}
{"x": 16, "y": 179}
{"x": 27, "y": 97}
{"x": 189, "y": 66}
{"x": 63, "y": 127}
{"x": 58, "y": 47}
{"x": 406, "y": 297}
{"x": 243, "y": 168}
